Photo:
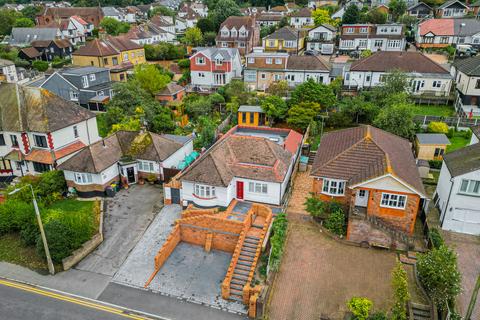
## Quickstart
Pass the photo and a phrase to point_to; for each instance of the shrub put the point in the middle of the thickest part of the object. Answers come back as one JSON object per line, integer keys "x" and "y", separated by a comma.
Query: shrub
{"x": 336, "y": 222}
{"x": 338, "y": 120}
{"x": 378, "y": 316}
{"x": 29, "y": 233}
{"x": 316, "y": 207}
{"x": 184, "y": 63}
{"x": 400, "y": 292}
{"x": 59, "y": 237}
{"x": 277, "y": 241}
{"x": 435, "y": 164}
{"x": 450, "y": 133}
{"x": 437, "y": 127}
{"x": 360, "y": 307}
{"x": 436, "y": 237}
{"x": 40, "y": 65}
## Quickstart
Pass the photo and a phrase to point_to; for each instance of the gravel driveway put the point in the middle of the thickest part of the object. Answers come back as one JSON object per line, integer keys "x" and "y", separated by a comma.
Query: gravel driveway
{"x": 127, "y": 217}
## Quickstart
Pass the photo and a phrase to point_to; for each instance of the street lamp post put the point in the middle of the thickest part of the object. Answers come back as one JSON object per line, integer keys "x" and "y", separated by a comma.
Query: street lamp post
{"x": 51, "y": 268}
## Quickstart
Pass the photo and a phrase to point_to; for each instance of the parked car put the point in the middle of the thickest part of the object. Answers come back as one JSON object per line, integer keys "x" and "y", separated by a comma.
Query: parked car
{"x": 466, "y": 50}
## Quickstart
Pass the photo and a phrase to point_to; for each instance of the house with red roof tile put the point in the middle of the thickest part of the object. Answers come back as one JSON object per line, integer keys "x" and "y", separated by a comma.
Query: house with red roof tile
{"x": 440, "y": 33}
{"x": 247, "y": 163}
{"x": 44, "y": 131}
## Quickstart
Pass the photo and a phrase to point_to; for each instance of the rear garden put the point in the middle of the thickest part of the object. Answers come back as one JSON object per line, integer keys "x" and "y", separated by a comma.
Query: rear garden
{"x": 68, "y": 223}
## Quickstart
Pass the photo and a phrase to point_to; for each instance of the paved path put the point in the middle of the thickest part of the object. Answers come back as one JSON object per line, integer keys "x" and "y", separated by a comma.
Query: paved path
{"x": 128, "y": 215}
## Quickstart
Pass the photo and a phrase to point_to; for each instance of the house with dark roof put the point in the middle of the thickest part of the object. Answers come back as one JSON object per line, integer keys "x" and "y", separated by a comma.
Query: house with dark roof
{"x": 373, "y": 37}
{"x": 440, "y": 33}
{"x": 23, "y": 37}
{"x": 50, "y": 49}
{"x": 452, "y": 9}
{"x": 40, "y": 130}
{"x": 119, "y": 54}
{"x": 466, "y": 73}
{"x": 301, "y": 18}
{"x": 458, "y": 191}
{"x": 286, "y": 39}
{"x": 420, "y": 10}
{"x": 90, "y": 87}
{"x": 91, "y": 15}
{"x": 264, "y": 68}
{"x": 125, "y": 157}
{"x": 241, "y": 33}
{"x": 247, "y": 163}
{"x": 373, "y": 174}
{"x": 426, "y": 76}
{"x": 171, "y": 93}
{"x": 321, "y": 39}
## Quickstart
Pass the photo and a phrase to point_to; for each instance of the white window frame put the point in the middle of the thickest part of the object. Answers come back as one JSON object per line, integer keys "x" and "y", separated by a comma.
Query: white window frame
{"x": 91, "y": 77}
{"x": 251, "y": 60}
{"x": 269, "y": 61}
{"x": 73, "y": 95}
{"x": 218, "y": 62}
{"x": 437, "y": 84}
{"x": 258, "y": 187}
{"x": 278, "y": 61}
{"x": 204, "y": 191}
{"x": 289, "y": 44}
{"x": 468, "y": 186}
{"x": 83, "y": 178}
{"x": 85, "y": 81}
{"x": 333, "y": 187}
{"x": 146, "y": 166}
{"x": 393, "y": 201}
{"x": 200, "y": 60}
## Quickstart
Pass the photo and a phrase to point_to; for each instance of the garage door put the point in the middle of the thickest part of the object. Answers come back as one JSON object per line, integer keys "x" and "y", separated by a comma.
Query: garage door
{"x": 468, "y": 220}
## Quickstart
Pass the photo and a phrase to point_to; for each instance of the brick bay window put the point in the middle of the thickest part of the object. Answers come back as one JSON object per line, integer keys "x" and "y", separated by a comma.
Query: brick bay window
{"x": 83, "y": 178}
{"x": 203, "y": 191}
{"x": 393, "y": 201}
{"x": 333, "y": 187}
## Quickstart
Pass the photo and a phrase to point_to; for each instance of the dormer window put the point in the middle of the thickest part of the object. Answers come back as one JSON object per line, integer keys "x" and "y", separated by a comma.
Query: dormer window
{"x": 234, "y": 33}
{"x": 363, "y": 30}
{"x": 225, "y": 33}
{"x": 349, "y": 30}
{"x": 200, "y": 60}
{"x": 218, "y": 61}
{"x": 40, "y": 141}
{"x": 243, "y": 34}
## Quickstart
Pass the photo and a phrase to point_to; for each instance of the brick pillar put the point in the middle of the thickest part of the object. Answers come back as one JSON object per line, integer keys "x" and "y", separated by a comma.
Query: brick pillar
{"x": 225, "y": 290}
{"x": 252, "y": 306}
{"x": 208, "y": 242}
{"x": 246, "y": 293}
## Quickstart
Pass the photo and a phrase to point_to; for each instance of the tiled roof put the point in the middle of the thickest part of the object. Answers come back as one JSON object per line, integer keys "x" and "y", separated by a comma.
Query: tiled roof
{"x": 285, "y": 33}
{"x": 170, "y": 89}
{"x": 249, "y": 157}
{"x": 108, "y": 47}
{"x": 237, "y": 22}
{"x": 30, "y": 52}
{"x": 307, "y": 63}
{"x": 464, "y": 160}
{"x": 363, "y": 153}
{"x": 37, "y": 110}
{"x": 45, "y": 156}
{"x": 404, "y": 61}
{"x": 439, "y": 27}
{"x": 304, "y": 12}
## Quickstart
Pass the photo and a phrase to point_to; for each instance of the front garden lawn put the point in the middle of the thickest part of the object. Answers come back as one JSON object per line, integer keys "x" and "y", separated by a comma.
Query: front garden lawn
{"x": 14, "y": 251}
{"x": 457, "y": 142}
{"x": 433, "y": 110}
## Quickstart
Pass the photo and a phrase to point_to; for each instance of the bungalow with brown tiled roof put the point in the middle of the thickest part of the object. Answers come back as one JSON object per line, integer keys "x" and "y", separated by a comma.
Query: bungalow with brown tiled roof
{"x": 44, "y": 132}
{"x": 247, "y": 163}
{"x": 373, "y": 174}
{"x": 126, "y": 155}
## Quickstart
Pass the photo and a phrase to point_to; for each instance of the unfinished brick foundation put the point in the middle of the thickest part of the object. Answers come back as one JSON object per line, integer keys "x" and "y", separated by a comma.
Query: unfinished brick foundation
{"x": 240, "y": 234}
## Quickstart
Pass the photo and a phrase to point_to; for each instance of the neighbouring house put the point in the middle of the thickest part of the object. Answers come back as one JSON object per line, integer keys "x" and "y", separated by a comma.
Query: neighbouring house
{"x": 29, "y": 54}
{"x": 253, "y": 11}
{"x": 466, "y": 73}
{"x": 426, "y": 77}
{"x": 251, "y": 116}
{"x": 119, "y": 54}
{"x": 150, "y": 33}
{"x": 314, "y": 4}
{"x": 23, "y": 37}
{"x": 339, "y": 14}
{"x": 431, "y": 146}
{"x": 126, "y": 157}
{"x": 420, "y": 10}
{"x": 385, "y": 3}
{"x": 452, "y": 9}
{"x": 114, "y": 13}
{"x": 322, "y": 39}
{"x": 214, "y": 67}
{"x": 373, "y": 37}
{"x": 264, "y": 68}
{"x": 164, "y": 23}
{"x": 373, "y": 174}
{"x": 440, "y": 33}
{"x": 474, "y": 8}
{"x": 44, "y": 131}
{"x": 180, "y": 25}
{"x": 171, "y": 93}
{"x": 301, "y": 18}
{"x": 286, "y": 39}
{"x": 268, "y": 19}
{"x": 91, "y": 15}
{"x": 90, "y": 87}
{"x": 198, "y": 7}
{"x": 74, "y": 29}
{"x": 8, "y": 72}
{"x": 51, "y": 49}
{"x": 247, "y": 163}
{"x": 241, "y": 33}
{"x": 458, "y": 190}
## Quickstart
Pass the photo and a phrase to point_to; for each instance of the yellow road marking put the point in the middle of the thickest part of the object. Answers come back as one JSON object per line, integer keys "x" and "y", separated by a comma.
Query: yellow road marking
{"x": 84, "y": 303}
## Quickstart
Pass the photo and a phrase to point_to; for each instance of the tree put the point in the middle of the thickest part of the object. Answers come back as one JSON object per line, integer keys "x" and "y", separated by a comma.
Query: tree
{"x": 322, "y": 16}
{"x": 360, "y": 307}
{"x": 151, "y": 78}
{"x": 224, "y": 9}
{"x": 400, "y": 292}
{"x": 278, "y": 88}
{"x": 197, "y": 106}
{"x": 358, "y": 109}
{"x": 205, "y": 132}
{"x": 193, "y": 37}
{"x": 396, "y": 119}
{"x": 162, "y": 11}
{"x": 439, "y": 275}
{"x": 164, "y": 51}
{"x": 23, "y": 23}
{"x": 114, "y": 27}
{"x": 40, "y": 65}
{"x": 206, "y": 25}
{"x": 394, "y": 83}
{"x": 266, "y": 30}
{"x": 397, "y": 8}
{"x": 31, "y": 12}
{"x": 376, "y": 16}
{"x": 437, "y": 127}
{"x": 274, "y": 108}
{"x": 163, "y": 122}
{"x": 311, "y": 91}
{"x": 300, "y": 115}
{"x": 7, "y": 20}
{"x": 351, "y": 15}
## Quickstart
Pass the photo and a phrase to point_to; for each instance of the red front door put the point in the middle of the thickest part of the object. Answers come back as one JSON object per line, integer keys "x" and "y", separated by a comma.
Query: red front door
{"x": 239, "y": 189}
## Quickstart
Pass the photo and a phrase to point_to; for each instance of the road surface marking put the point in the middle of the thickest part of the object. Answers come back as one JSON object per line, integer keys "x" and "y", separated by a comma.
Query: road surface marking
{"x": 87, "y": 304}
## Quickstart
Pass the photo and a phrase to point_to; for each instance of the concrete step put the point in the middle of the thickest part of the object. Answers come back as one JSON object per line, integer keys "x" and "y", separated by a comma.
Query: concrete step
{"x": 258, "y": 226}
{"x": 236, "y": 287}
{"x": 423, "y": 313}
{"x": 245, "y": 258}
{"x": 252, "y": 237}
{"x": 239, "y": 282}
{"x": 247, "y": 253}
{"x": 244, "y": 263}
{"x": 420, "y": 306}
{"x": 239, "y": 277}
{"x": 236, "y": 297}
{"x": 241, "y": 272}
{"x": 250, "y": 245}
{"x": 242, "y": 267}
{"x": 249, "y": 249}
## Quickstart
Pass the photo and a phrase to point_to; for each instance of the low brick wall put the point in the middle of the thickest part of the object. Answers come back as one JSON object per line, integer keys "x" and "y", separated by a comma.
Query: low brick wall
{"x": 168, "y": 247}
{"x": 87, "y": 247}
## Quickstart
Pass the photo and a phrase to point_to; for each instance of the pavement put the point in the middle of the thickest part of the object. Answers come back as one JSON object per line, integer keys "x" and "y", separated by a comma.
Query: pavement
{"x": 127, "y": 217}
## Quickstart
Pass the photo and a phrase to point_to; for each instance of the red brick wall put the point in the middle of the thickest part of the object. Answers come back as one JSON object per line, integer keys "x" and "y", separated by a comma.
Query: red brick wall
{"x": 91, "y": 187}
{"x": 317, "y": 189}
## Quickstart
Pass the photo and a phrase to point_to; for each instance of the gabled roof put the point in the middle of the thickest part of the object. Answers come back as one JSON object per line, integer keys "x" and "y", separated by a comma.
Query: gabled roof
{"x": 285, "y": 33}
{"x": 463, "y": 161}
{"x": 439, "y": 27}
{"x": 31, "y": 52}
{"x": 302, "y": 13}
{"x": 363, "y": 153}
{"x": 27, "y": 35}
{"x": 211, "y": 52}
{"x": 307, "y": 63}
{"x": 238, "y": 22}
{"x": 106, "y": 152}
{"x": 37, "y": 110}
{"x": 170, "y": 89}
{"x": 249, "y": 157}
{"x": 79, "y": 20}
{"x": 451, "y": 2}
{"x": 324, "y": 25}
{"x": 408, "y": 62}
{"x": 107, "y": 47}
{"x": 418, "y": 5}
{"x": 469, "y": 66}
{"x": 73, "y": 11}
{"x": 60, "y": 43}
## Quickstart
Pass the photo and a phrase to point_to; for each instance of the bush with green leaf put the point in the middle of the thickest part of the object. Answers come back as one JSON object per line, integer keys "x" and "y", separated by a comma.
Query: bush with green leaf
{"x": 360, "y": 307}
{"x": 277, "y": 240}
{"x": 400, "y": 292}
{"x": 336, "y": 222}
{"x": 40, "y": 65}
{"x": 184, "y": 63}
{"x": 436, "y": 238}
{"x": 437, "y": 127}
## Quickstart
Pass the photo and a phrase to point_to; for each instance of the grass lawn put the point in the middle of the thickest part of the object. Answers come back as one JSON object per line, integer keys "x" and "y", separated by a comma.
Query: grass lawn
{"x": 433, "y": 110}
{"x": 102, "y": 125}
{"x": 457, "y": 142}
{"x": 12, "y": 250}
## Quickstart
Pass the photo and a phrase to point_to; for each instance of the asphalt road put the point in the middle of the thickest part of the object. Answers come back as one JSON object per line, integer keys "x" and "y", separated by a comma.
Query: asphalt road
{"x": 18, "y": 301}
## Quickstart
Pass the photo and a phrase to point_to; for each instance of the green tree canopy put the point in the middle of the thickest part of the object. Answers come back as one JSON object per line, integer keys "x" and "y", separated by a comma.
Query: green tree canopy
{"x": 300, "y": 115}
{"x": 311, "y": 91}
{"x": 23, "y": 23}
{"x": 322, "y": 16}
{"x": 193, "y": 37}
{"x": 397, "y": 119}
{"x": 31, "y": 12}
{"x": 351, "y": 15}
{"x": 206, "y": 25}
{"x": 7, "y": 20}
{"x": 114, "y": 27}
{"x": 397, "y": 8}
{"x": 358, "y": 109}
{"x": 376, "y": 16}
{"x": 151, "y": 78}
{"x": 274, "y": 108}
{"x": 161, "y": 11}
{"x": 224, "y": 9}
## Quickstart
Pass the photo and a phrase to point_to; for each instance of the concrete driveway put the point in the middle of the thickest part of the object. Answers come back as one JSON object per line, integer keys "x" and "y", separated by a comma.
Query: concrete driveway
{"x": 127, "y": 217}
